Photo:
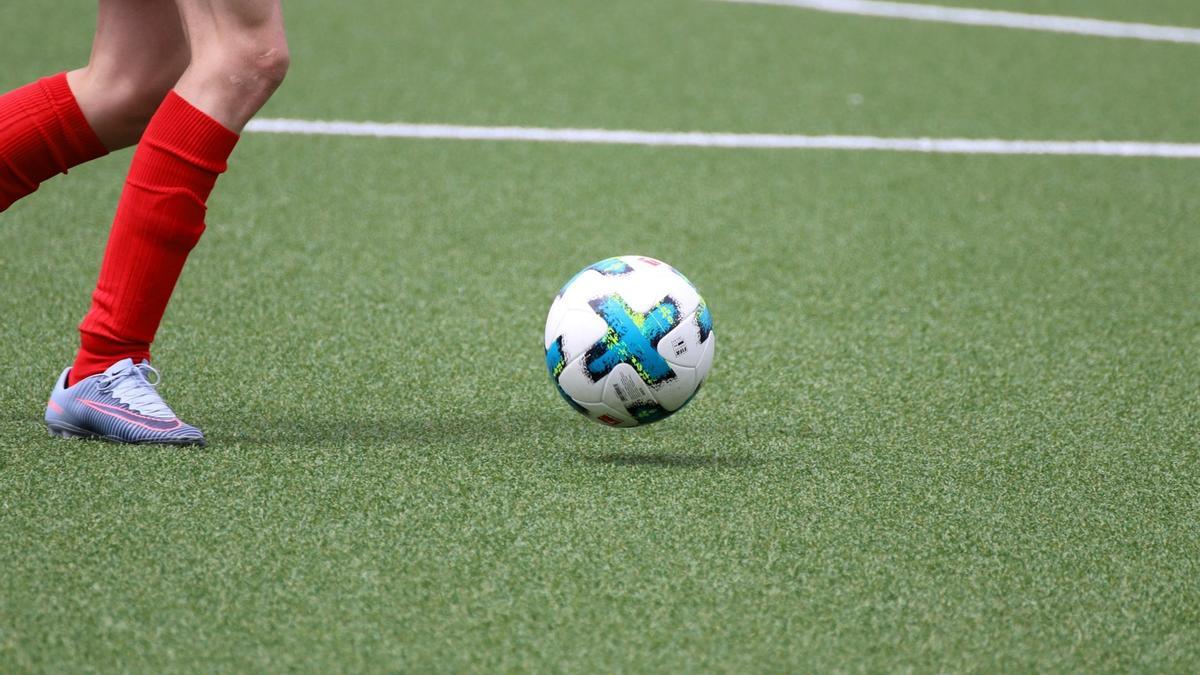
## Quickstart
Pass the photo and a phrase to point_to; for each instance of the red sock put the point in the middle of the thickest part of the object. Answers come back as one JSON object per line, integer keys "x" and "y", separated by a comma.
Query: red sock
{"x": 42, "y": 132}
{"x": 159, "y": 219}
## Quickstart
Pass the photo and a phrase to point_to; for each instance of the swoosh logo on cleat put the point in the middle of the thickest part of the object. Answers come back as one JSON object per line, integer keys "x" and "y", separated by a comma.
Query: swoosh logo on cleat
{"x": 151, "y": 423}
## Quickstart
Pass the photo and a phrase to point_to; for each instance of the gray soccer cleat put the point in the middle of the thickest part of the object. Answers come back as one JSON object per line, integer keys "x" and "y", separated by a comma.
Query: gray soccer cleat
{"x": 119, "y": 405}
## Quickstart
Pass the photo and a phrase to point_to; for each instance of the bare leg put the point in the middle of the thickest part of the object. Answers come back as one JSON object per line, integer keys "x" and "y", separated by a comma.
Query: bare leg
{"x": 239, "y": 56}
{"x": 139, "y": 52}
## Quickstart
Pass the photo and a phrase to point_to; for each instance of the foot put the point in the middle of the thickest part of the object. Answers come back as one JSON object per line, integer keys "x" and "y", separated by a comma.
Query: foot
{"x": 119, "y": 405}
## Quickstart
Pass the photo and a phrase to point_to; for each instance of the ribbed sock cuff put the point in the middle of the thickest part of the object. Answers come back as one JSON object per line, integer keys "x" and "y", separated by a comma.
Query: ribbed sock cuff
{"x": 43, "y": 132}
{"x": 187, "y": 132}
{"x": 84, "y": 142}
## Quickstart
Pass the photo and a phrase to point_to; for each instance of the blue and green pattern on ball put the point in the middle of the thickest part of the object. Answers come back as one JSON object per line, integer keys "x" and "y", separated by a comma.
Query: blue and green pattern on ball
{"x": 704, "y": 320}
{"x": 609, "y": 267}
{"x": 556, "y": 362}
{"x": 632, "y": 338}
{"x": 647, "y": 412}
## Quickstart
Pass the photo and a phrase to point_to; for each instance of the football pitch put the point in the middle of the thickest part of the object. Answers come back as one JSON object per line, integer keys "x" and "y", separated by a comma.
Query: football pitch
{"x": 953, "y": 423}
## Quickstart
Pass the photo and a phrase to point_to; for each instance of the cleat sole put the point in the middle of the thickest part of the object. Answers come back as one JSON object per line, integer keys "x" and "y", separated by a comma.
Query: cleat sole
{"x": 70, "y": 432}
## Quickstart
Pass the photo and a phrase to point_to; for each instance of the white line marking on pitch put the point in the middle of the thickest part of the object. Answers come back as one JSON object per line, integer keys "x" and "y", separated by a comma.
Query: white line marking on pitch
{"x": 988, "y": 17}
{"x": 955, "y": 146}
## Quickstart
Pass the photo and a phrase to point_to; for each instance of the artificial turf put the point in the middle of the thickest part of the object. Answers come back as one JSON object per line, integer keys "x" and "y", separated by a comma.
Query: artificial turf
{"x": 952, "y": 424}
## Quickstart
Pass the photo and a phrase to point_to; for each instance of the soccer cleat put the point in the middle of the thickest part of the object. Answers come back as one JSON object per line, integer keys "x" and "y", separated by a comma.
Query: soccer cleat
{"x": 119, "y": 405}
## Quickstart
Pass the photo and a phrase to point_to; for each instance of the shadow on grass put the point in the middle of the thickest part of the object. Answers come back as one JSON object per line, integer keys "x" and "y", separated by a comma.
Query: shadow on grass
{"x": 325, "y": 431}
{"x": 686, "y": 447}
{"x": 670, "y": 460}
{"x": 464, "y": 432}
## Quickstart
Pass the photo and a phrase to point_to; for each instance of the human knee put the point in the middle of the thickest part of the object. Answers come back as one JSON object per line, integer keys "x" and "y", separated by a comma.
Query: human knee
{"x": 265, "y": 64}
{"x": 252, "y": 68}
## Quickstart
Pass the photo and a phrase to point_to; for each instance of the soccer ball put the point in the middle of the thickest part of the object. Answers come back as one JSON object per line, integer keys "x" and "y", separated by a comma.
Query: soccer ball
{"x": 629, "y": 341}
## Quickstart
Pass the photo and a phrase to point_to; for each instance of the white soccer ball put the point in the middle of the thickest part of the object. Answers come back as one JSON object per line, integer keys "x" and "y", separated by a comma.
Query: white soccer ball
{"x": 629, "y": 341}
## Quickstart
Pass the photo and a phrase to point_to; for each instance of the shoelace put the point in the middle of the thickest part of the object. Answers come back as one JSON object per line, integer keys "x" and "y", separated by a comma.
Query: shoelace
{"x": 133, "y": 388}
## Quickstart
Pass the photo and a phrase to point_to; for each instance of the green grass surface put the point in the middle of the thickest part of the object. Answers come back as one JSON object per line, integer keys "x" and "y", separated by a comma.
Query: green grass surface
{"x": 953, "y": 422}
